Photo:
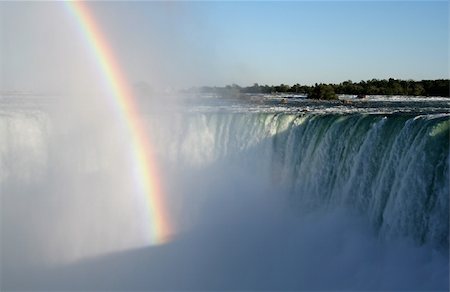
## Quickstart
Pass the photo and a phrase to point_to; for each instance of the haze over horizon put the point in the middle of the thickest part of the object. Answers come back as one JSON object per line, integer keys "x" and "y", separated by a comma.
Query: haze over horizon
{"x": 184, "y": 44}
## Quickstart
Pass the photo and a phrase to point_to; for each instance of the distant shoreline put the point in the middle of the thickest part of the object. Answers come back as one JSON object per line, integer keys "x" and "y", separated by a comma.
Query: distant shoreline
{"x": 389, "y": 87}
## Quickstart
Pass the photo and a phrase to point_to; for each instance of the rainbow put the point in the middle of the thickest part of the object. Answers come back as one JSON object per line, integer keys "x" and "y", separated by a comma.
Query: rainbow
{"x": 159, "y": 228}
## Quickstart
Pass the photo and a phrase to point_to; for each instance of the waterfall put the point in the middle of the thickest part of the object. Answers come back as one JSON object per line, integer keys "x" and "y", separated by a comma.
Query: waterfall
{"x": 393, "y": 169}
{"x": 261, "y": 201}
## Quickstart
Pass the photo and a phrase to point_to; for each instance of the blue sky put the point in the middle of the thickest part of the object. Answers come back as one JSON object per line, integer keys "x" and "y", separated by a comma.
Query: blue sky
{"x": 216, "y": 43}
{"x": 334, "y": 41}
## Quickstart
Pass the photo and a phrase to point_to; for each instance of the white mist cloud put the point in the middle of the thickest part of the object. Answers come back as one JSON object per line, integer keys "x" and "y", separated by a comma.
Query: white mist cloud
{"x": 44, "y": 48}
{"x": 245, "y": 237}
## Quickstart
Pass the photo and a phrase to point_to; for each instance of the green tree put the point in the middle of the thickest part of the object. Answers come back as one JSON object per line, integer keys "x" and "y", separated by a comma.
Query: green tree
{"x": 322, "y": 91}
{"x": 418, "y": 89}
{"x": 282, "y": 88}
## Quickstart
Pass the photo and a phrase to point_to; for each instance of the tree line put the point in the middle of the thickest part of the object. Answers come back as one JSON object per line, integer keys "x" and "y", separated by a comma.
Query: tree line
{"x": 390, "y": 86}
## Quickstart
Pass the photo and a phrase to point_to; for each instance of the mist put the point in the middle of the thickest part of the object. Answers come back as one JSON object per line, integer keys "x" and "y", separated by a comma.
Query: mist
{"x": 48, "y": 53}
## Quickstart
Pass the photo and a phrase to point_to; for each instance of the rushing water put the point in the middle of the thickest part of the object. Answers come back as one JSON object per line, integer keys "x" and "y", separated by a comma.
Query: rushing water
{"x": 394, "y": 169}
{"x": 272, "y": 194}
